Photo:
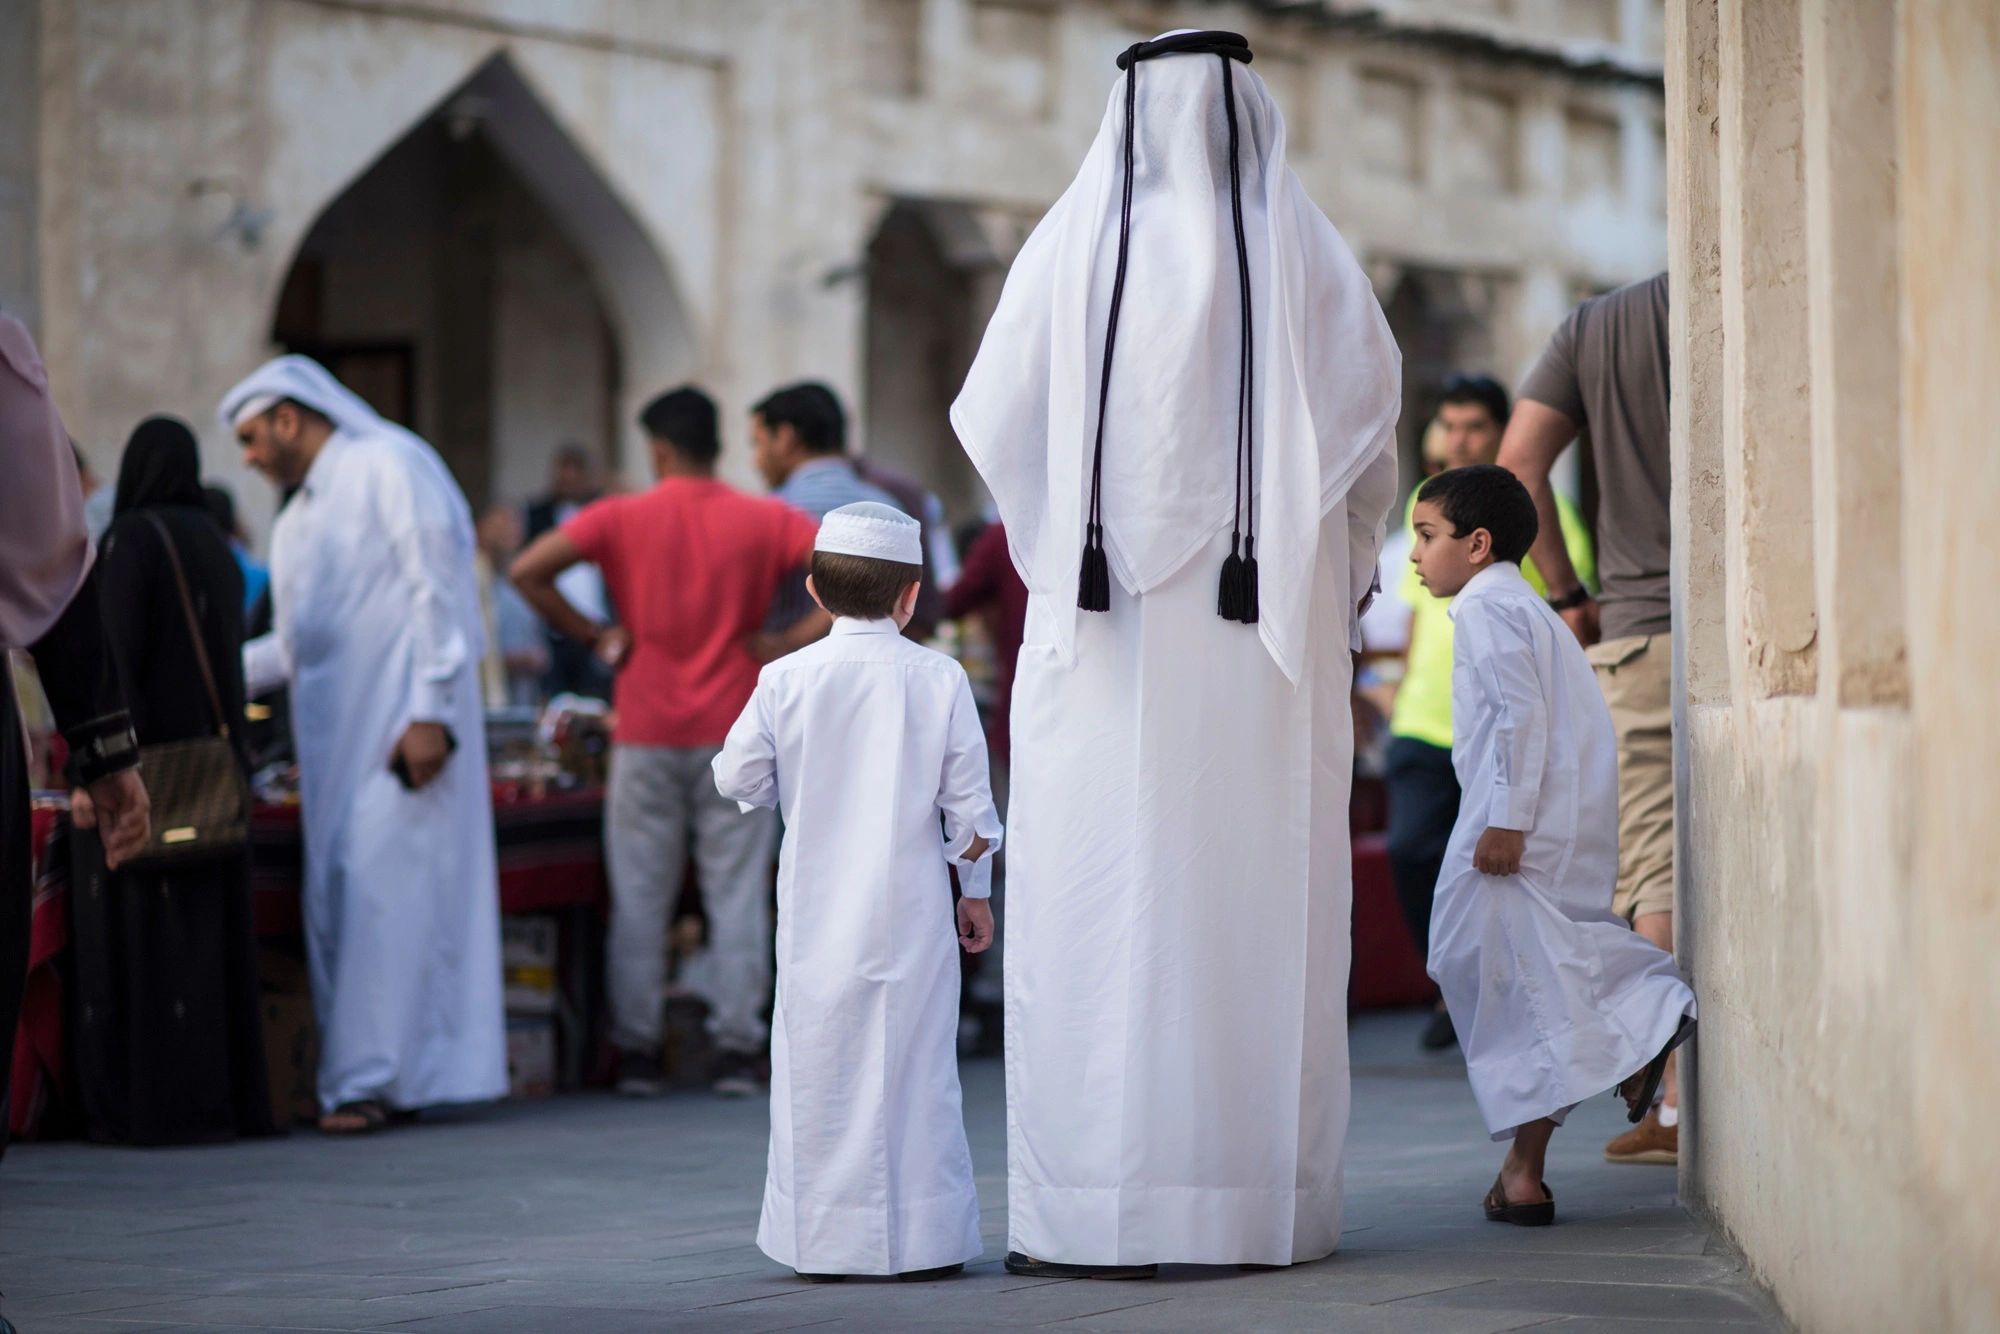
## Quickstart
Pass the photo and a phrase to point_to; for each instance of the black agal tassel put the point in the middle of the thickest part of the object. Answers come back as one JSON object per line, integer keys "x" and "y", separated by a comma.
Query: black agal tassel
{"x": 1237, "y": 600}
{"x": 1229, "y": 590}
{"x": 1236, "y": 596}
{"x": 1248, "y": 613}
{"x": 1093, "y": 581}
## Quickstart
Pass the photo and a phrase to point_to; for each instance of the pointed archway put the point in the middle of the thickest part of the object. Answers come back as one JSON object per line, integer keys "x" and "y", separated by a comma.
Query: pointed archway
{"x": 482, "y": 282}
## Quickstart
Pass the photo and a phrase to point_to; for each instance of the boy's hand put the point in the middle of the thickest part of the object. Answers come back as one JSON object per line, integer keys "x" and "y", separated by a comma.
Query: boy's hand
{"x": 975, "y": 924}
{"x": 1499, "y": 851}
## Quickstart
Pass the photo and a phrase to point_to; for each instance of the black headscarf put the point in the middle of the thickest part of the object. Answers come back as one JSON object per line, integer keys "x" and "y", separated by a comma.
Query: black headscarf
{"x": 162, "y": 466}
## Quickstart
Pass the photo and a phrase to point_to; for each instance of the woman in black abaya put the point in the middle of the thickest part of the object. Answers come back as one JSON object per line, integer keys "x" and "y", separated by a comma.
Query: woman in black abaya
{"x": 169, "y": 1039}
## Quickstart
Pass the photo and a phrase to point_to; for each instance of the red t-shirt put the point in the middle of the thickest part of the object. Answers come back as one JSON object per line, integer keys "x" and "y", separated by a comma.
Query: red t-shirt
{"x": 691, "y": 566}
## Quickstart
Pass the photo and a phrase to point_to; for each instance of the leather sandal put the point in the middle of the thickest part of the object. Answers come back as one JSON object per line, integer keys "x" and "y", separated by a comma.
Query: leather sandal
{"x": 374, "y": 1116}
{"x": 1644, "y": 1085}
{"x": 1027, "y": 1266}
{"x": 1535, "y": 1213}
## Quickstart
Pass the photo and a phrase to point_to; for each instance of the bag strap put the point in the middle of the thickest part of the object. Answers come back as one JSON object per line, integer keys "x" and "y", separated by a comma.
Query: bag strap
{"x": 194, "y": 626}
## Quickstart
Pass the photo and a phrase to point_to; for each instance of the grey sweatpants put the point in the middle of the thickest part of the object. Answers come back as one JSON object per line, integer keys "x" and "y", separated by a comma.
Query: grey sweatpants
{"x": 659, "y": 797}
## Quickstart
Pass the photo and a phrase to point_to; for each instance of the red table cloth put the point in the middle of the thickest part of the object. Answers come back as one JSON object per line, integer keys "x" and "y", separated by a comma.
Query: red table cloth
{"x": 551, "y": 855}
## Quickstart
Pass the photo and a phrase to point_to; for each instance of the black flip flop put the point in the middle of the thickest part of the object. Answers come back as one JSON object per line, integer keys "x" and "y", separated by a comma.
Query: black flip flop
{"x": 1638, "y": 1104}
{"x": 1536, "y": 1213}
{"x": 1027, "y": 1266}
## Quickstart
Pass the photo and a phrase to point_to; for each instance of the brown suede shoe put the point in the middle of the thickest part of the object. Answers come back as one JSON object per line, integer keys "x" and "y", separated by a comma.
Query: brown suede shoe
{"x": 1647, "y": 1142}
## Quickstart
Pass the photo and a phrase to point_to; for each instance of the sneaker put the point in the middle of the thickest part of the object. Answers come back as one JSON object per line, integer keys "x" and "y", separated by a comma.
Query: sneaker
{"x": 1439, "y": 1034}
{"x": 639, "y": 1075}
{"x": 736, "y": 1075}
{"x": 1647, "y": 1142}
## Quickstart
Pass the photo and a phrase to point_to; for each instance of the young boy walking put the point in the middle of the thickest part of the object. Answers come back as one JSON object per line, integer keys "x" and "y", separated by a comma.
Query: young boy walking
{"x": 863, "y": 741}
{"x": 1555, "y": 998}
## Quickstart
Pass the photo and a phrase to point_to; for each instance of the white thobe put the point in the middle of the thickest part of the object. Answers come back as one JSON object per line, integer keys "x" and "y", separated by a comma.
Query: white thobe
{"x": 1179, "y": 888}
{"x": 376, "y": 626}
{"x": 1555, "y": 998}
{"x": 864, "y": 740}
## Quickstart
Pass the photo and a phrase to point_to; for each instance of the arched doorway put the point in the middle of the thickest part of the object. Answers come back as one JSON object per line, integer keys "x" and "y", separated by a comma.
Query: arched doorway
{"x": 483, "y": 284}
{"x": 933, "y": 277}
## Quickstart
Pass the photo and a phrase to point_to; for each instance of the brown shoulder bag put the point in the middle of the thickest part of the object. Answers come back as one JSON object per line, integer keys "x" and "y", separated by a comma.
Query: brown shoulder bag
{"x": 201, "y": 805}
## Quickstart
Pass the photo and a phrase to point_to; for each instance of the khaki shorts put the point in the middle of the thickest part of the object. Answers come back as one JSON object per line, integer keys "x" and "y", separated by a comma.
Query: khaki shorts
{"x": 1636, "y": 675}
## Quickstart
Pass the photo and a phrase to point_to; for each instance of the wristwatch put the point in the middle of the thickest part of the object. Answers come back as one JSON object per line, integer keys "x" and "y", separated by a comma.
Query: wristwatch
{"x": 1576, "y": 597}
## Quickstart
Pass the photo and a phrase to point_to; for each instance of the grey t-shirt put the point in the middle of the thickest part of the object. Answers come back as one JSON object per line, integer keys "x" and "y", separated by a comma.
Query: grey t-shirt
{"x": 1606, "y": 370}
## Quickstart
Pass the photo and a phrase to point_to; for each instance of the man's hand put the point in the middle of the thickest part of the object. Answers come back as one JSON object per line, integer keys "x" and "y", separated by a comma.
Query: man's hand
{"x": 613, "y": 646}
{"x": 1582, "y": 622}
{"x": 424, "y": 751}
{"x": 975, "y": 924}
{"x": 117, "y": 806}
{"x": 1499, "y": 851}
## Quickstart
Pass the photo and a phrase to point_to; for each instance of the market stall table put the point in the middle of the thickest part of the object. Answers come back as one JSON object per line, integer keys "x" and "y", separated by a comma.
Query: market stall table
{"x": 551, "y": 860}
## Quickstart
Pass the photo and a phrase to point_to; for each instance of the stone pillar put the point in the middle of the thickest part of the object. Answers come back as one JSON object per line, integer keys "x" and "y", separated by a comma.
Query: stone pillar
{"x": 1850, "y": 160}
{"x": 1767, "y": 443}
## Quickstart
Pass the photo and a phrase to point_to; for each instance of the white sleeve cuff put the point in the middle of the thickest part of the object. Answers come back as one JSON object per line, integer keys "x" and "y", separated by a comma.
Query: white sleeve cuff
{"x": 955, "y": 850}
{"x": 975, "y": 879}
{"x": 1510, "y": 809}
{"x": 434, "y": 702}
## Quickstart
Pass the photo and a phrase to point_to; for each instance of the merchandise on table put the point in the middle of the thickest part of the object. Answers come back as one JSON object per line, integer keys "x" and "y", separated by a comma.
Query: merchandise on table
{"x": 531, "y": 1056}
{"x": 528, "y": 963}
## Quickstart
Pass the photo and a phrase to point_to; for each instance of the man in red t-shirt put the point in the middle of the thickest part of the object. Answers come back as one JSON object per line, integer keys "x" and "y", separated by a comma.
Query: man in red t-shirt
{"x": 691, "y": 566}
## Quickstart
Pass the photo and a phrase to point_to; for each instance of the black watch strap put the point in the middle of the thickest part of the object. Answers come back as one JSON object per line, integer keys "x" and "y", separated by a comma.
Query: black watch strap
{"x": 1576, "y": 597}
{"x": 102, "y": 746}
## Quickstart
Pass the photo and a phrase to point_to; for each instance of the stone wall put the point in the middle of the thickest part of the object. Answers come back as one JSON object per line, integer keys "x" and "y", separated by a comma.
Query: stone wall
{"x": 1836, "y": 320}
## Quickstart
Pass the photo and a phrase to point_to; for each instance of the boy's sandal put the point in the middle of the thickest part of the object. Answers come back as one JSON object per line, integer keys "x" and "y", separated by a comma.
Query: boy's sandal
{"x": 369, "y": 1111}
{"x": 1640, "y": 1090}
{"x": 1536, "y": 1213}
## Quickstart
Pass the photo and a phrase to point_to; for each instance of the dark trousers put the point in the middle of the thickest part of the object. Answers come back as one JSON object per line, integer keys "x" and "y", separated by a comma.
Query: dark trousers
{"x": 1423, "y": 806}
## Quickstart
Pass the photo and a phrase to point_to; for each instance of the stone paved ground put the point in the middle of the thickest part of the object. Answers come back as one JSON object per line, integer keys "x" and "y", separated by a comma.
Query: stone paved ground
{"x": 599, "y": 1216}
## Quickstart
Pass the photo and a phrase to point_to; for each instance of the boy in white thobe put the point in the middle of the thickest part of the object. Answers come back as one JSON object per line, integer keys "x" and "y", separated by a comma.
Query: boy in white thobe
{"x": 1555, "y": 998}
{"x": 863, "y": 741}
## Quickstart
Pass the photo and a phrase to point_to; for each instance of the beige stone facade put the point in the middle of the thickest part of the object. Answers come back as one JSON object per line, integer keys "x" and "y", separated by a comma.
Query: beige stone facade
{"x": 512, "y": 221}
{"x": 1834, "y": 180}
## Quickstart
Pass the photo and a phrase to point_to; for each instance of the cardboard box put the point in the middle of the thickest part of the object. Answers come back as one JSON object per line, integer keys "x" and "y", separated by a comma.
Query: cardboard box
{"x": 531, "y": 1056}
{"x": 528, "y": 953}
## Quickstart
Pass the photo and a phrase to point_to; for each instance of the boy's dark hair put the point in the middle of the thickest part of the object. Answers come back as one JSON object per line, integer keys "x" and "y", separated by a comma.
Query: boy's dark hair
{"x": 861, "y": 586}
{"x": 1487, "y": 496}
{"x": 1481, "y": 389}
{"x": 811, "y": 409}
{"x": 685, "y": 419}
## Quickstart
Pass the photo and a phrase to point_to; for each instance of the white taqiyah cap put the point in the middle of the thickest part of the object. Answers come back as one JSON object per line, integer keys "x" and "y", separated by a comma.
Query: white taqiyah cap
{"x": 869, "y": 528}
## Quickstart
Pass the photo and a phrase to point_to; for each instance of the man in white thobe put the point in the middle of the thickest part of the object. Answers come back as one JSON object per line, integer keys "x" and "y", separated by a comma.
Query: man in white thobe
{"x": 377, "y": 634}
{"x": 1180, "y": 880}
{"x": 870, "y": 745}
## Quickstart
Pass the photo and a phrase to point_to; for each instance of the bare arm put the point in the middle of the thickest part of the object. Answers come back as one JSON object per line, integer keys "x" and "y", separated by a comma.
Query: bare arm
{"x": 1536, "y": 437}
{"x": 808, "y": 629}
{"x": 534, "y": 572}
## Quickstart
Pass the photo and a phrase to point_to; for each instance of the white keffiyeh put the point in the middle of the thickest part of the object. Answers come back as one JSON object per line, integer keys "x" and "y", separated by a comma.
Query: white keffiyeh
{"x": 1327, "y": 385}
